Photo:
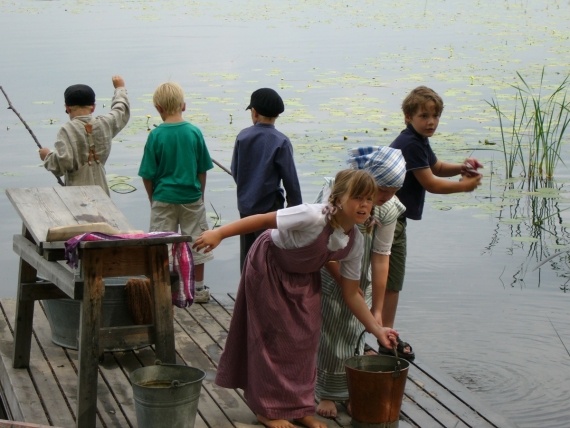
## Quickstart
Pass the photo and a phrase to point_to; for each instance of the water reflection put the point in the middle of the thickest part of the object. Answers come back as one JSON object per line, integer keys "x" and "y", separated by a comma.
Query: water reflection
{"x": 535, "y": 224}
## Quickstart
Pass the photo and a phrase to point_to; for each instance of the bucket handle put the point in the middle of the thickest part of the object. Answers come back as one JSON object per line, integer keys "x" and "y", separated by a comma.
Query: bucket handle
{"x": 396, "y": 373}
{"x": 356, "y": 349}
{"x": 175, "y": 382}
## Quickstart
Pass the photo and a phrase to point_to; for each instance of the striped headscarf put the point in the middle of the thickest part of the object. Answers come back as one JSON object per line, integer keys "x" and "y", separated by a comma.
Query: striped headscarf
{"x": 386, "y": 164}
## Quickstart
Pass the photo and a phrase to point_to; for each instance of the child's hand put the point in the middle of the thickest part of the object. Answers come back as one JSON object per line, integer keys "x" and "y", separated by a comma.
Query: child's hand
{"x": 388, "y": 337}
{"x": 44, "y": 152}
{"x": 471, "y": 181}
{"x": 207, "y": 241}
{"x": 118, "y": 81}
{"x": 470, "y": 167}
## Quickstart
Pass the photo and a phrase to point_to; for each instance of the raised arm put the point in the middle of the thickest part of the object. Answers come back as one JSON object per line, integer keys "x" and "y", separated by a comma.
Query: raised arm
{"x": 210, "y": 239}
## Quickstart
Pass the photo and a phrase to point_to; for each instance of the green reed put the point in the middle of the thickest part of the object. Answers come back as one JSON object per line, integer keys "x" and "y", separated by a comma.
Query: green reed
{"x": 532, "y": 135}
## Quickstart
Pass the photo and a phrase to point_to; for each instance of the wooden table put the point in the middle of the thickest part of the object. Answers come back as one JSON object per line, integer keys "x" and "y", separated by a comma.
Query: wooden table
{"x": 43, "y": 208}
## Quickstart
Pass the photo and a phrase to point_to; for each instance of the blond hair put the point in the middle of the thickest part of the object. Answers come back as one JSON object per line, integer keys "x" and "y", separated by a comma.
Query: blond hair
{"x": 351, "y": 183}
{"x": 418, "y": 98}
{"x": 170, "y": 97}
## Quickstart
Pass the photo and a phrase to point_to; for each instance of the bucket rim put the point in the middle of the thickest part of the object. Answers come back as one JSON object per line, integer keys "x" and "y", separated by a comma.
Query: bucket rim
{"x": 201, "y": 374}
{"x": 404, "y": 364}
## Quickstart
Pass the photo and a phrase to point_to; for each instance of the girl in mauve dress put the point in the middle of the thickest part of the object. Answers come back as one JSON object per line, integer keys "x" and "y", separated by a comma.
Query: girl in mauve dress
{"x": 271, "y": 347}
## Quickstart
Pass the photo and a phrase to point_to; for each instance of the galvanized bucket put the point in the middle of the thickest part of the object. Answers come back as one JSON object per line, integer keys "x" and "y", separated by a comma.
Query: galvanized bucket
{"x": 376, "y": 388}
{"x": 166, "y": 395}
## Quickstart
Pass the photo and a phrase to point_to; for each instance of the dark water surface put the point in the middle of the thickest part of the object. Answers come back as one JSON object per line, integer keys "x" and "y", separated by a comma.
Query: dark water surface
{"x": 472, "y": 305}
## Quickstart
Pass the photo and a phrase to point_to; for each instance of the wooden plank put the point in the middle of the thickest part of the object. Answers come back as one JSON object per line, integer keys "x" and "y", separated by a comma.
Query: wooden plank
{"x": 64, "y": 365}
{"x": 90, "y": 323}
{"x": 24, "y": 317}
{"x": 45, "y": 364}
{"x": 90, "y": 204}
{"x": 202, "y": 352}
{"x": 13, "y": 424}
{"x": 53, "y": 272}
{"x": 19, "y": 391}
{"x": 39, "y": 209}
{"x": 456, "y": 397}
{"x": 116, "y": 403}
{"x": 162, "y": 311}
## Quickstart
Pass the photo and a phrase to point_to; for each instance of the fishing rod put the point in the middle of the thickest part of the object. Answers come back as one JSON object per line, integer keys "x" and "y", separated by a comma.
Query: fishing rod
{"x": 11, "y": 107}
{"x": 221, "y": 166}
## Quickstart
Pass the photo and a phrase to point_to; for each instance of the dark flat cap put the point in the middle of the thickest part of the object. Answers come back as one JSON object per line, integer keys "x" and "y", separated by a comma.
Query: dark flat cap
{"x": 266, "y": 102}
{"x": 79, "y": 95}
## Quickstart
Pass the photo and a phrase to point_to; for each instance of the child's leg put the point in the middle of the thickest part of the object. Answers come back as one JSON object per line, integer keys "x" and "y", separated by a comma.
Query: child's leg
{"x": 396, "y": 273}
{"x": 193, "y": 222}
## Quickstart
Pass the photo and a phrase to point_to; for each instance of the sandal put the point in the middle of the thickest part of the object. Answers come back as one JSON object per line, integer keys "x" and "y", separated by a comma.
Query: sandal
{"x": 401, "y": 348}
{"x": 369, "y": 350}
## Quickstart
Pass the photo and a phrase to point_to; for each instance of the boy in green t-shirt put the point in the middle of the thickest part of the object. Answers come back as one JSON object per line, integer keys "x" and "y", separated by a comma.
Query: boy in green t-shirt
{"x": 173, "y": 169}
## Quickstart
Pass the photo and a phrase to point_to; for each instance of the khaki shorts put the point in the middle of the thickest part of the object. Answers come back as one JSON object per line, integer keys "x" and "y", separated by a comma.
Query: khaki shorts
{"x": 397, "y": 269}
{"x": 190, "y": 218}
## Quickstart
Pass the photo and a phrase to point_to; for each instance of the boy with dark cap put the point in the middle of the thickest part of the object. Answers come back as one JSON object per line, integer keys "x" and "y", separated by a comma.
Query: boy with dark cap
{"x": 84, "y": 143}
{"x": 262, "y": 159}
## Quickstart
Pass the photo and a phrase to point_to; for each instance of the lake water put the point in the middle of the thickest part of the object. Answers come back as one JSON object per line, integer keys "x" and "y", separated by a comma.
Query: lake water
{"x": 472, "y": 305}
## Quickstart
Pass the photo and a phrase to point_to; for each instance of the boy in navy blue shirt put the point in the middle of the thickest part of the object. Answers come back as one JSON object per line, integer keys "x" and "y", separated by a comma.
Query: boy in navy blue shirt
{"x": 262, "y": 159}
{"x": 422, "y": 109}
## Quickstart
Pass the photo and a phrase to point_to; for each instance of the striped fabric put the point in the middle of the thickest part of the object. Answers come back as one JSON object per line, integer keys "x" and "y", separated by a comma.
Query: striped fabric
{"x": 386, "y": 164}
{"x": 340, "y": 328}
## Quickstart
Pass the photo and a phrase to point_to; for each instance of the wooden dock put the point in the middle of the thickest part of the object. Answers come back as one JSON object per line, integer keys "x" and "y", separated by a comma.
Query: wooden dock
{"x": 45, "y": 393}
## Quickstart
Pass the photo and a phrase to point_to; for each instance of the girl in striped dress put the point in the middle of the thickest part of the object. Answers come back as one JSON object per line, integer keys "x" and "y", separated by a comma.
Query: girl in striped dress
{"x": 271, "y": 348}
{"x": 340, "y": 328}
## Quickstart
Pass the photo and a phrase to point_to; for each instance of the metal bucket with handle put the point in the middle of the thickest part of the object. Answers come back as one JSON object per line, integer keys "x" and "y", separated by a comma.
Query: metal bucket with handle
{"x": 376, "y": 386}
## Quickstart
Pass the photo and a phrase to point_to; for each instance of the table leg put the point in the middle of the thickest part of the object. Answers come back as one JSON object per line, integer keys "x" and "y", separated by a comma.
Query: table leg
{"x": 163, "y": 311}
{"x": 90, "y": 324}
{"x": 24, "y": 318}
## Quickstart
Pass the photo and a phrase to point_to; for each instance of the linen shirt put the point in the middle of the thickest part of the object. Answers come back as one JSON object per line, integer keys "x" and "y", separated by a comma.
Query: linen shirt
{"x": 71, "y": 149}
{"x": 262, "y": 159}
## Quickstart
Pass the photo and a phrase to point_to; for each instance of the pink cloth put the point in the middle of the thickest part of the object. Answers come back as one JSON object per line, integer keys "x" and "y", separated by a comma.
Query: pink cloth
{"x": 181, "y": 255}
{"x": 271, "y": 348}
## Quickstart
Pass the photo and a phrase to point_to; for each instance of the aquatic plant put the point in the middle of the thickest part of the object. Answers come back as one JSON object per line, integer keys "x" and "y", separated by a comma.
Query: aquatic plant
{"x": 533, "y": 134}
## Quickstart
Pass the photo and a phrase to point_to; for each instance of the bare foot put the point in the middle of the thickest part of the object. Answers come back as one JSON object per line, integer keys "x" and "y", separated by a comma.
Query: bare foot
{"x": 327, "y": 409}
{"x": 274, "y": 423}
{"x": 311, "y": 422}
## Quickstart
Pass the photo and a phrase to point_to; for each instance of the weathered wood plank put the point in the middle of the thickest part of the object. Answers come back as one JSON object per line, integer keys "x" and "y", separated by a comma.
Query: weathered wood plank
{"x": 12, "y": 424}
{"x": 48, "y": 367}
{"x": 199, "y": 336}
{"x": 464, "y": 404}
{"x": 90, "y": 204}
{"x": 38, "y": 209}
{"x": 90, "y": 323}
{"x": 19, "y": 391}
{"x": 53, "y": 272}
{"x": 201, "y": 351}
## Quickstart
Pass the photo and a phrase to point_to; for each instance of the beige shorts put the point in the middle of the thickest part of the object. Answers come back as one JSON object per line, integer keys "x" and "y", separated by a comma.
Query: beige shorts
{"x": 186, "y": 219}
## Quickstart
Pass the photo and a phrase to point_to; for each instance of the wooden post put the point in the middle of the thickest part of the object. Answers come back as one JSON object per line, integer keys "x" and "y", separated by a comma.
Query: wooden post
{"x": 163, "y": 315}
{"x": 90, "y": 324}
{"x": 24, "y": 314}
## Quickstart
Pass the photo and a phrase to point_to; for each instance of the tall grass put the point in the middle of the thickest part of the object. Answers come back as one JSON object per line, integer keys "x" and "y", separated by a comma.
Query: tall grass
{"x": 533, "y": 134}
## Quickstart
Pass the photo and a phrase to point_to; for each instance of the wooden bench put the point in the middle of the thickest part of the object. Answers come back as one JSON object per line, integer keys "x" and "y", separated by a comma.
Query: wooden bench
{"x": 42, "y": 210}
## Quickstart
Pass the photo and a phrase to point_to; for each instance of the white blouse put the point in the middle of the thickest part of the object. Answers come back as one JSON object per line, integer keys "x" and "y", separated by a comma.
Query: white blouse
{"x": 300, "y": 225}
